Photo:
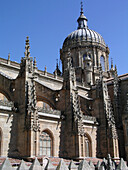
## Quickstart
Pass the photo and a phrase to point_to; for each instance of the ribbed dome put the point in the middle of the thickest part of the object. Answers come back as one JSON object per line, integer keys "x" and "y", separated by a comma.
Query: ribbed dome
{"x": 83, "y": 33}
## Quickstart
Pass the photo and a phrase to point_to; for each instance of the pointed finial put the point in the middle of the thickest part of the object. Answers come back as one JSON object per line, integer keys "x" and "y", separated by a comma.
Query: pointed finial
{"x": 45, "y": 69}
{"x": 81, "y": 8}
{"x": 8, "y": 61}
{"x": 27, "y": 47}
{"x": 116, "y": 70}
{"x": 8, "y": 56}
{"x": 115, "y": 67}
{"x": 57, "y": 70}
{"x": 27, "y": 41}
{"x": 34, "y": 63}
{"x": 111, "y": 63}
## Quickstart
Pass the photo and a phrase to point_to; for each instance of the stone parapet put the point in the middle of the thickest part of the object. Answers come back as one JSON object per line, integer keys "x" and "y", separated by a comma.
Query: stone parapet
{"x": 91, "y": 118}
{"x": 49, "y": 164}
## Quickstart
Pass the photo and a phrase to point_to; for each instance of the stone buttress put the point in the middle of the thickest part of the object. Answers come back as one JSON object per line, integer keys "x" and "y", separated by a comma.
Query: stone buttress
{"x": 26, "y": 118}
{"x": 72, "y": 125}
{"x": 107, "y": 132}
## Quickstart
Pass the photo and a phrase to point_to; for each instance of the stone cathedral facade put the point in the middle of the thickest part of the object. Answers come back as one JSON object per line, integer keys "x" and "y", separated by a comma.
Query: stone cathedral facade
{"x": 81, "y": 112}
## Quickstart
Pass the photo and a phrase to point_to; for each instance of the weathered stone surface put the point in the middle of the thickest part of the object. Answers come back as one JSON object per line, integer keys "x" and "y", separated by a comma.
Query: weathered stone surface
{"x": 49, "y": 166}
{"x": 122, "y": 165}
{"x": 72, "y": 166}
{"x": 6, "y": 165}
{"x": 84, "y": 165}
{"x": 62, "y": 165}
{"x": 98, "y": 165}
{"x": 36, "y": 165}
{"x": 22, "y": 166}
{"x": 91, "y": 165}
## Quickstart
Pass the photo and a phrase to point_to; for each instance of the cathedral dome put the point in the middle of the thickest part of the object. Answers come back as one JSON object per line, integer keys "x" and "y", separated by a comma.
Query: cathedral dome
{"x": 83, "y": 34}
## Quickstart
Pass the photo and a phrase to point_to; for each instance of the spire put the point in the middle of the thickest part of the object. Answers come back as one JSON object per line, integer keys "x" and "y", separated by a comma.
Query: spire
{"x": 34, "y": 63}
{"x": 9, "y": 56}
{"x": 82, "y": 20}
{"x": 57, "y": 70}
{"x": 111, "y": 63}
{"x": 27, "y": 47}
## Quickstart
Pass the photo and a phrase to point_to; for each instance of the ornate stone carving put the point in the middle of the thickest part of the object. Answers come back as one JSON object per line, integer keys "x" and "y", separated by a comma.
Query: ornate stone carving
{"x": 109, "y": 111}
{"x": 102, "y": 91}
{"x": 76, "y": 111}
{"x": 32, "y": 109}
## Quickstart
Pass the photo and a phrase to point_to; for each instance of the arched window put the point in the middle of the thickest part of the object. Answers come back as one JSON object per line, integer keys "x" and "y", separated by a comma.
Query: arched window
{"x": 86, "y": 55}
{"x": 44, "y": 105}
{"x": 3, "y": 98}
{"x": 102, "y": 62}
{"x": 88, "y": 148}
{"x": 46, "y": 144}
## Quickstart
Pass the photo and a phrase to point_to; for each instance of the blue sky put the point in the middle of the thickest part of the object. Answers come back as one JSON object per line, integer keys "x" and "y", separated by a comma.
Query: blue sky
{"x": 48, "y": 23}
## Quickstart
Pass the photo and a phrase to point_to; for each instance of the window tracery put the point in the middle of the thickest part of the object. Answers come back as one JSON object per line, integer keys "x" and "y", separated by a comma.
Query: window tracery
{"x": 86, "y": 147}
{"x": 46, "y": 143}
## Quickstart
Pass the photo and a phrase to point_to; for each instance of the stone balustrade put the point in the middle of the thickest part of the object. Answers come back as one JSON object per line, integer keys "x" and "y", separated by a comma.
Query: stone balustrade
{"x": 91, "y": 118}
{"x": 49, "y": 111}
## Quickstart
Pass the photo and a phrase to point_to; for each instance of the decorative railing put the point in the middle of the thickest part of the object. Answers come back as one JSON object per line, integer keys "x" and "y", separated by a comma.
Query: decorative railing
{"x": 48, "y": 110}
{"x": 91, "y": 118}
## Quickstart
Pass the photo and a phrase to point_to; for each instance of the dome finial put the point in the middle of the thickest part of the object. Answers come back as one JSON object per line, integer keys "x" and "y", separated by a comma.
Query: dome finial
{"x": 81, "y": 8}
{"x": 82, "y": 20}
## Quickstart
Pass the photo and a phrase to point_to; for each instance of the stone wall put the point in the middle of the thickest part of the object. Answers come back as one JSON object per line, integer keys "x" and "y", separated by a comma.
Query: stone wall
{"x": 5, "y": 125}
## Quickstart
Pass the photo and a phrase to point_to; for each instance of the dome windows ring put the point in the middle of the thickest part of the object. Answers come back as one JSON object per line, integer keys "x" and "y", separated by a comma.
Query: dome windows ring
{"x": 86, "y": 56}
{"x": 102, "y": 62}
